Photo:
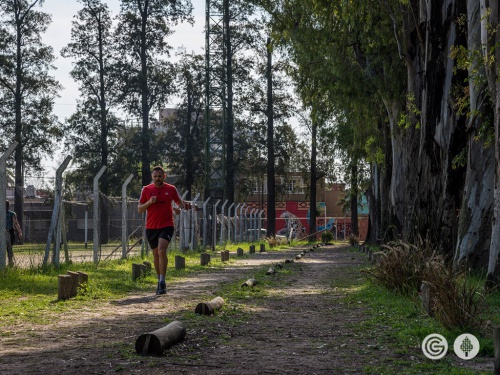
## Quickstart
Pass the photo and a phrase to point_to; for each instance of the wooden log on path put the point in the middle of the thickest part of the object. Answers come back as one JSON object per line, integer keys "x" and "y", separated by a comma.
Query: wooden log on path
{"x": 262, "y": 247}
{"x": 298, "y": 256}
{"x": 271, "y": 271}
{"x": 180, "y": 262}
{"x": 208, "y": 308}
{"x": 64, "y": 287}
{"x": 224, "y": 256}
{"x": 158, "y": 341}
{"x": 204, "y": 259}
{"x": 74, "y": 283}
{"x": 239, "y": 252}
{"x": 138, "y": 270}
{"x": 252, "y": 249}
{"x": 289, "y": 261}
{"x": 425, "y": 296}
{"x": 249, "y": 282}
{"x": 311, "y": 249}
{"x": 279, "y": 265}
{"x": 496, "y": 348}
{"x": 83, "y": 278}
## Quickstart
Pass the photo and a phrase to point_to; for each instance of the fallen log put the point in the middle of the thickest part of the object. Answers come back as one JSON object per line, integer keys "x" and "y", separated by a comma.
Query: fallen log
{"x": 298, "y": 256}
{"x": 157, "y": 341}
{"x": 289, "y": 261}
{"x": 208, "y": 308}
{"x": 249, "y": 282}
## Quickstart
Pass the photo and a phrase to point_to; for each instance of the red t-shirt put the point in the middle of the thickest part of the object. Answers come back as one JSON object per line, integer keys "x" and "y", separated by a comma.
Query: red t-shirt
{"x": 160, "y": 214}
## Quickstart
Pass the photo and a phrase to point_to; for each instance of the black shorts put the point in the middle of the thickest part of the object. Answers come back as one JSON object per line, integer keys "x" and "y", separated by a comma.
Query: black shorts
{"x": 153, "y": 235}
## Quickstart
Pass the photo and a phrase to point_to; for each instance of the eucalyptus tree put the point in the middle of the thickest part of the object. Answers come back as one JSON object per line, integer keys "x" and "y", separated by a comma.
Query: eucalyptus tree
{"x": 141, "y": 40}
{"x": 27, "y": 91}
{"x": 92, "y": 47}
{"x": 185, "y": 128}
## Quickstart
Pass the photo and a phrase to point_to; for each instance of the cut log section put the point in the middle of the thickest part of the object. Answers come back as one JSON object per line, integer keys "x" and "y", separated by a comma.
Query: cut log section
{"x": 157, "y": 341}
{"x": 262, "y": 248}
{"x": 138, "y": 270}
{"x": 249, "y": 282}
{"x": 252, "y": 249}
{"x": 208, "y": 308}
{"x": 204, "y": 259}
{"x": 224, "y": 256}
{"x": 74, "y": 283}
{"x": 180, "y": 262}
{"x": 64, "y": 287}
{"x": 148, "y": 266}
{"x": 83, "y": 278}
{"x": 239, "y": 252}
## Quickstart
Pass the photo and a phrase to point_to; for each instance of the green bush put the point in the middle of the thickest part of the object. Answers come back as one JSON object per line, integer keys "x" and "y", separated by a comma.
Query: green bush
{"x": 326, "y": 237}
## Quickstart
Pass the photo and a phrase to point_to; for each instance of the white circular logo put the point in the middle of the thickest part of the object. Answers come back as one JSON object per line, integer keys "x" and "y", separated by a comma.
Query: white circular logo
{"x": 466, "y": 346}
{"x": 434, "y": 346}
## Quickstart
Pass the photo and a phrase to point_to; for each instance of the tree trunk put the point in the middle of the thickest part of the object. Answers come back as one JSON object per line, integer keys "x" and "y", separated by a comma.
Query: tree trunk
{"x": 312, "y": 204}
{"x": 143, "y": 78}
{"x": 354, "y": 198}
{"x": 476, "y": 214}
{"x": 424, "y": 187}
{"x": 490, "y": 39}
{"x": 271, "y": 171}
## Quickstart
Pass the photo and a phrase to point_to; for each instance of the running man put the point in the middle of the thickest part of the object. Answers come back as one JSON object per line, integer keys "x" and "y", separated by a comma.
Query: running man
{"x": 156, "y": 199}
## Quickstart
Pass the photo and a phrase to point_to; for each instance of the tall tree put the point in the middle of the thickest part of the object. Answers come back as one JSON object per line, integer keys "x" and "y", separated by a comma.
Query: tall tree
{"x": 185, "y": 128}
{"x": 92, "y": 46}
{"x": 27, "y": 91}
{"x": 141, "y": 34}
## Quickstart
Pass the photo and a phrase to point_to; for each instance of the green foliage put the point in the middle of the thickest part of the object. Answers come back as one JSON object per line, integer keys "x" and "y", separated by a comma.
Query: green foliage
{"x": 326, "y": 237}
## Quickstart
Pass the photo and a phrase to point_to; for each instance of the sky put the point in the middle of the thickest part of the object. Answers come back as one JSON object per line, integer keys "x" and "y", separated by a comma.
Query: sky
{"x": 58, "y": 35}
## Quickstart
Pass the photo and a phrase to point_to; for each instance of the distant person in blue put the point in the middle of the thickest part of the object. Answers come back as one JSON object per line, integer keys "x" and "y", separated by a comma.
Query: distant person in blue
{"x": 11, "y": 224}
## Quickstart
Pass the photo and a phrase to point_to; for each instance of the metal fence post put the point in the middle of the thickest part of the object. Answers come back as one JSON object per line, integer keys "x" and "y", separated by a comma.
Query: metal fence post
{"x": 240, "y": 219}
{"x": 214, "y": 225}
{"x": 3, "y": 199}
{"x": 96, "y": 213}
{"x": 229, "y": 222}
{"x": 245, "y": 232}
{"x": 260, "y": 221}
{"x": 193, "y": 223}
{"x": 56, "y": 211}
{"x": 125, "y": 216}
{"x": 205, "y": 222}
{"x": 222, "y": 222}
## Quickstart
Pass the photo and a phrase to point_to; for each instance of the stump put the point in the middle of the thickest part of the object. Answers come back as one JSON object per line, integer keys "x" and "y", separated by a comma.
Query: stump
{"x": 239, "y": 252}
{"x": 138, "y": 270}
{"x": 180, "y": 262}
{"x": 224, "y": 256}
{"x": 74, "y": 283}
{"x": 64, "y": 287}
{"x": 271, "y": 271}
{"x": 204, "y": 259}
{"x": 157, "y": 341}
{"x": 249, "y": 282}
{"x": 208, "y": 308}
{"x": 252, "y": 249}
{"x": 262, "y": 247}
{"x": 83, "y": 279}
{"x": 298, "y": 256}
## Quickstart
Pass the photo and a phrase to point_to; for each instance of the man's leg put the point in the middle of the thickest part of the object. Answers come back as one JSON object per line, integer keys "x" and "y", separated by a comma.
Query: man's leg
{"x": 162, "y": 264}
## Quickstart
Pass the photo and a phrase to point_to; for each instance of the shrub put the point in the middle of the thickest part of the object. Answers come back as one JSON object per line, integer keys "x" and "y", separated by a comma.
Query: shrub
{"x": 454, "y": 301}
{"x": 326, "y": 237}
{"x": 353, "y": 240}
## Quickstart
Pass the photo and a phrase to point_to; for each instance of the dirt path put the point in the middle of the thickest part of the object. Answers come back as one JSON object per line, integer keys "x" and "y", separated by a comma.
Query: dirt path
{"x": 302, "y": 325}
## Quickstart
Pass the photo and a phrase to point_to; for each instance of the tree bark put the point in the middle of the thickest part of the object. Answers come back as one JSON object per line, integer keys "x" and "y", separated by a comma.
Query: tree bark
{"x": 476, "y": 213}
{"x": 424, "y": 187}
{"x": 229, "y": 126}
{"x": 490, "y": 39}
{"x": 271, "y": 170}
{"x": 312, "y": 199}
{"x": 157, "y": 341}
